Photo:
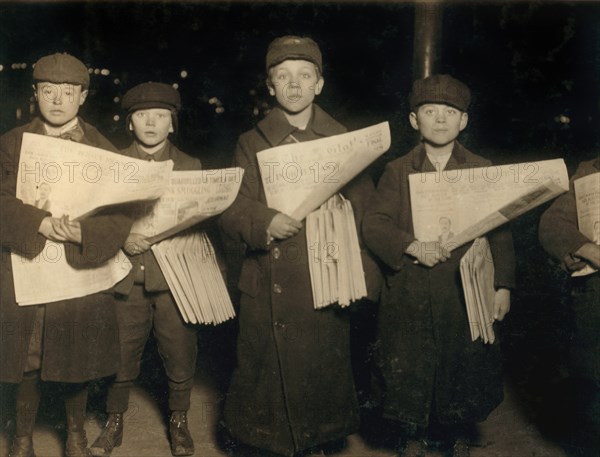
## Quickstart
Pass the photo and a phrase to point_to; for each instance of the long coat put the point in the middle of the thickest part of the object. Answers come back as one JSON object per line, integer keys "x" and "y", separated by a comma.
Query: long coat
{"x": 426, "y": 351}
{"x": 561, "y": 238}
{"x": 154, "y": 280}
{"x": 80, "y": 338}
{"x": 292, "y": 387}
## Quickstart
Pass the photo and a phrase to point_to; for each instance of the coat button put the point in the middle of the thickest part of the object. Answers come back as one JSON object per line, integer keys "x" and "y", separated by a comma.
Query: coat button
{"x": 142, "y": 267}
{"x": 276, "y": 253}
{"x": 279, "y": 325}
{"x": 277, "y": 288}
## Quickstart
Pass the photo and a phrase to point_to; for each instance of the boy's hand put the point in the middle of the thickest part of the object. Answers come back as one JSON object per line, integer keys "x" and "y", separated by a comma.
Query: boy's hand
{"x": 61, "y": 229}
{"x": 136, "y": 244}
{"x": 590, "y": 252}
{"x": 283, "y": 226}
{"x": 428, "y": 253}
{"x": 501, "y": 303}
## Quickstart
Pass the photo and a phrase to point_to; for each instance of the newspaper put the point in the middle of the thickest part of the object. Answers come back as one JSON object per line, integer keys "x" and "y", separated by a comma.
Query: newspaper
{"x": 300, "y": 177}
{"x": 587, "y": 199}
{"x": 190, "y": 267}
{"x": 65, "y": 177}
{"x": 190, "y": 198}
{"x": 457, "y": 206}
{"x": 477, "y": 276}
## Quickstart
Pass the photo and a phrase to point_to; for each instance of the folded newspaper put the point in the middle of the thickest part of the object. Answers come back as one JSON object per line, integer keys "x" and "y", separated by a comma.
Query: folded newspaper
{"x": 298, "y": 178}
{"x": 189, "y": 264}
{"x": 65, "y": 177}
{"x": 477, "y": 275}
{"x": 457, "y": 206}
{"x": 587, "y": 199}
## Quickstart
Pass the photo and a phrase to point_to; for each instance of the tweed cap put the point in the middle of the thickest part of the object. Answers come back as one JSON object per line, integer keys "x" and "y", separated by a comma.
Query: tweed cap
{"x": 440, "y": 89}
{"x": 151, "y": 95}
{"x": 295, "y": 48}
{"x": 61, "y": 68}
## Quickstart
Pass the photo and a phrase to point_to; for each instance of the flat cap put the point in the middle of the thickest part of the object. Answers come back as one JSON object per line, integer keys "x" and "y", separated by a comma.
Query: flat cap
{"x": 440, "y": 89}
{"x": 61, "y": 68}
{"x": 295, "y": 48}
{"x": 151, "y": 95}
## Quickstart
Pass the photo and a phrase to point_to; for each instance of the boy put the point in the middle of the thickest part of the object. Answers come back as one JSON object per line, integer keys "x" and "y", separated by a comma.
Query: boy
{"x": 144, "y": 301}
{"x": 43, "y": 347}
{"x": 292, "y": 388}
{"x": 561, "y": 238}
{"x": 433, "y": 372}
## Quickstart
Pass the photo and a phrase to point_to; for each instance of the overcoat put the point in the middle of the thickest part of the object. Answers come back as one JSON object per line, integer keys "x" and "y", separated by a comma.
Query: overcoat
{"x": 560, "y": 236}
{"x": 426, "y": 354}
{"x": 292, "y": 387}
{"x": 79, "y": 336}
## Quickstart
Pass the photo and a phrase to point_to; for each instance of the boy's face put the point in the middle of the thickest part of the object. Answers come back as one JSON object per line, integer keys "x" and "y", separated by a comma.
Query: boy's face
{"x": 438, "y": 124}
{"x": 151, "y": 126}
{"x": 295, "y": 83}
{"x": 59, "y": 103}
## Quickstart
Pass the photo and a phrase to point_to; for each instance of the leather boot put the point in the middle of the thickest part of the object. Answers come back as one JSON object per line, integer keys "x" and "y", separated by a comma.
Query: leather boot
{"x": 77, "y": 444}
{"x": 110, "y": 437}
{"x": 181, "y": 440}
{"x": 22, "y": 446}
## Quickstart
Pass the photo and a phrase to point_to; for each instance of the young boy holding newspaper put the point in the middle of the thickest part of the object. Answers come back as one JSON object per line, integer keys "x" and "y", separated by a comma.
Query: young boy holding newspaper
{"x": 144, "y": 301}
{"x": 433, "y": 372}
{"x": 292, "y": 388}
{"x": 71, "y": 341}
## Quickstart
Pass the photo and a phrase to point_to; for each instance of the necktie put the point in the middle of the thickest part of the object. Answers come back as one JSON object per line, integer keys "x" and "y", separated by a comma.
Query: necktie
{"x": 75, "y": 134}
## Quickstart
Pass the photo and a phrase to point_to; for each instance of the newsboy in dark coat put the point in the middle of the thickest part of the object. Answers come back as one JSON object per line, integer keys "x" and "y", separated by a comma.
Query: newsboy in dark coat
{"x": 68, "y": 341}
{"x": 432, "y": 370}
{"x": 292, "y": 388}
{"x": 144, "y": 300}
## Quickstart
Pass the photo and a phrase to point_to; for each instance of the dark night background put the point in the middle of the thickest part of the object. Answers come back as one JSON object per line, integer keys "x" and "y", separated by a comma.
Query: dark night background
{"x": 534, "y": 70}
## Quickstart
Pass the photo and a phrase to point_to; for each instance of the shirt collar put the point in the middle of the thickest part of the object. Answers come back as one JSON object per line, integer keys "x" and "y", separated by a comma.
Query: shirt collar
{"x": 159, "y": 156}
{"x": 420, "y": 156}
{"x": 58, "y": 131}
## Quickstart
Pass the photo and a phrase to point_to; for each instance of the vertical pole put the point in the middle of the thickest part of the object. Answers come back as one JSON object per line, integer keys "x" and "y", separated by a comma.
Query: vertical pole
{"x": 427, "y": 38}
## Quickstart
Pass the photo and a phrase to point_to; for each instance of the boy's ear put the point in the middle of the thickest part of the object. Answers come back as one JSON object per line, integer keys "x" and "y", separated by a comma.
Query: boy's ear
{"x": 84, "y": 94}
{"x": 412, "y": 118}
{"x": 464, "y": 120}
{"x": 270, "y": 86}
{"x": 35, "y": 91}
{"x": 319, "y": 86}
{"x": 171, "y": 129}
{"x": 130, "y": 126}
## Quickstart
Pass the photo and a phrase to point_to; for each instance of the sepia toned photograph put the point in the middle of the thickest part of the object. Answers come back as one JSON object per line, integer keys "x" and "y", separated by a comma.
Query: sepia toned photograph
{"x": 300, "y": 228}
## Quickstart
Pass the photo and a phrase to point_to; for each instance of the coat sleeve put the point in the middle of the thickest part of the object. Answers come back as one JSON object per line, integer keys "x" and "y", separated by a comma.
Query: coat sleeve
{"x": 558, "y": 232}
{"x": 381, "y": 225}
{"x": 19, "y": 222}
{"x": 248, "y": 219}
{"x": 503, "y": 253}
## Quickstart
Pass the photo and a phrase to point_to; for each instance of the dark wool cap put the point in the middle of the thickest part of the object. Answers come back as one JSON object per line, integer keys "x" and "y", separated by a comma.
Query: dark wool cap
{"x": 440, "y": 89}
{"x": 294, "y": 48}
{"x": 151, "y": 95}
{"x": 61, "y": 68}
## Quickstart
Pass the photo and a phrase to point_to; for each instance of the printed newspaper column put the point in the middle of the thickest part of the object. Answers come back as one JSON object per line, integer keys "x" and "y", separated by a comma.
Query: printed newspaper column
{"x": 587, "y": 199}
{"x": 69, "y": 178}
{"x": 302, "y": 180}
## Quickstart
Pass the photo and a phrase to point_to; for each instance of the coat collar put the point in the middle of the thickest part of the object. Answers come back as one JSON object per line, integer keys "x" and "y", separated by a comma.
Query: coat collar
{"x": 169, "y": 151}
{"x": 419, "y": 157}
{"x": 275, "y": 127}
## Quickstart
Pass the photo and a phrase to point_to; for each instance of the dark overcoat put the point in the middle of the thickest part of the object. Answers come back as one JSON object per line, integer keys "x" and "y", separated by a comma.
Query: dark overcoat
{"x": 426, "y": 351}
{"x": 80, "y": 338}
{"x": 154, "y": 280}
{"x": 560, "y": 236}
{"x": 292, "y": 387}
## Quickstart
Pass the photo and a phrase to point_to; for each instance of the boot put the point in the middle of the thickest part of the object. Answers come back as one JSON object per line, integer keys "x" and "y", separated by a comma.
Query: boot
{"x": 75, "y": 405}
{"x": 110, "y": 437}
{"x": 27, "y": 403}
{"x": 22, "y": 446}
{"x": 181, "y": 440}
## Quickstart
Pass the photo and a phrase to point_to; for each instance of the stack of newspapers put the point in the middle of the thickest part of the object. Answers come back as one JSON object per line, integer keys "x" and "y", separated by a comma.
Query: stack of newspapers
{"x": 189, "y": 264}
{"x": 477, "y": 274}
{"x": 335, "y": 264}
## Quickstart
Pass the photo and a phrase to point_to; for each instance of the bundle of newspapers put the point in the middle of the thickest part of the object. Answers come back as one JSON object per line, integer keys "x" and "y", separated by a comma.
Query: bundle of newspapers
{"x": 587, "y": 200}
{"x": 336, "y": 271}
{"x": 477, "y": 274}
{"x": 190, "y": 267}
